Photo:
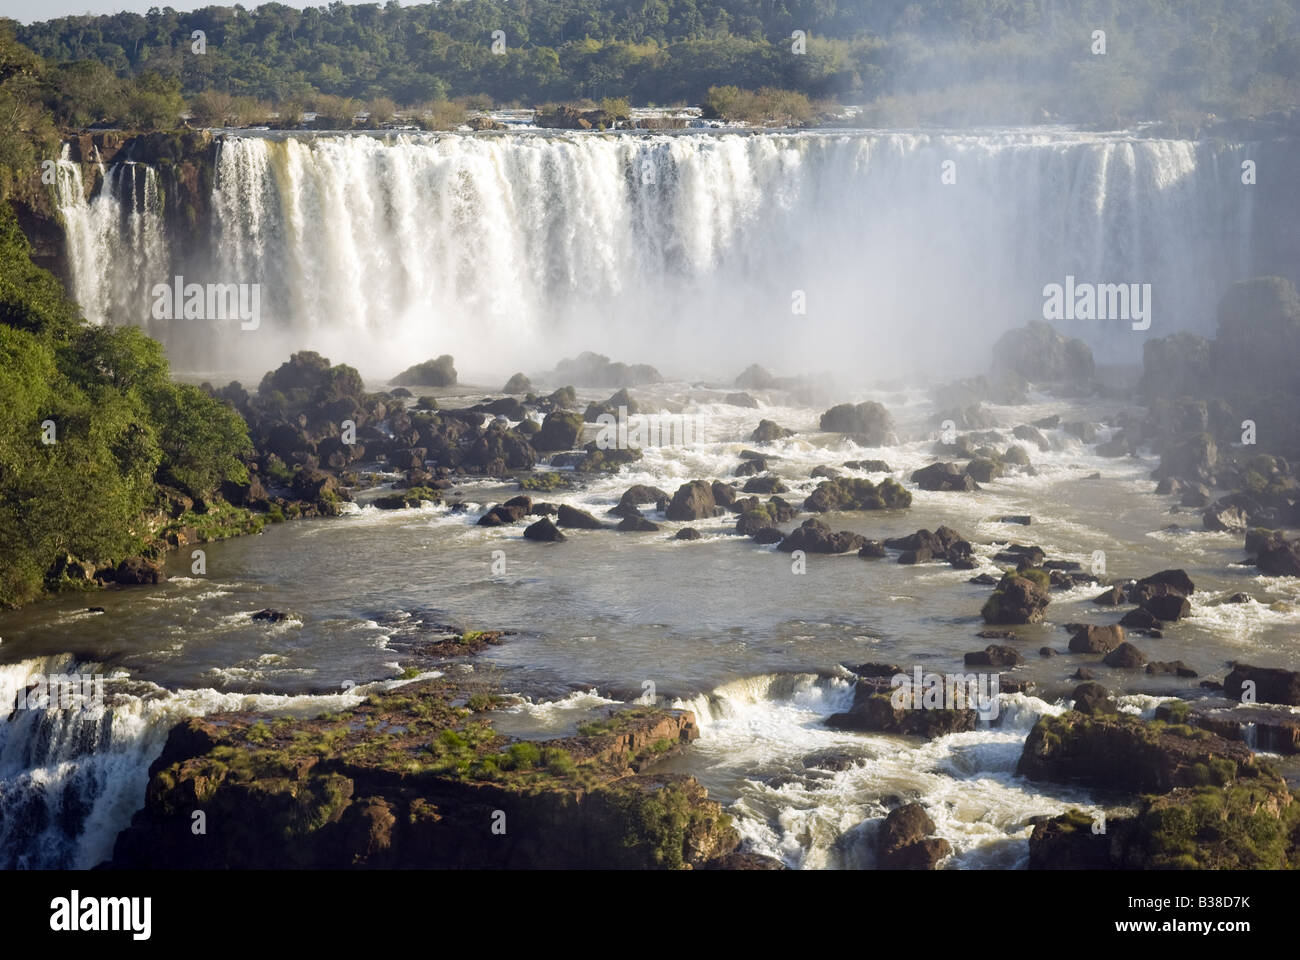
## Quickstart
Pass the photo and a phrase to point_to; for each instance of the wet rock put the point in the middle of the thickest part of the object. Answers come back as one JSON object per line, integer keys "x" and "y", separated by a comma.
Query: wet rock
{"x": 871, "y": 550}
{"x": 543, "y": 530}
{"x": 579, "y": 519}
{"x": 272, "y": 616}
{"x": 870, "y": 422}
{"x": 850, "y": 493}
{"x": 1096, "y": 639}
{"x": 740, "y": 400}
{"x": 905, "y": 841}
{"x": 1167, "y": 608}
{"x": 639, "y": 493}
{"x": 1125, "y": 656}
{"x": 944, "y": 476}
{"x": 1046, "y": 652}
{"x": 560, "y": 431}
{"x": 751, "y": 468}
{"x": 994, "y": 655}
{"x": 1225, "y": 518}
{"x": 765, "y": 485}
{"x": 1017, "y": 599}
{"x": 869, "y": 466}
{"x": 814, "y": 536}
{"x": 1140, "y": 619}
{"x": 637, "y": 524}
{"x": 692, "y": 501}
{"x": 1111, "y": 597}
{"x": 518, "y": 384}
{"x": 1023, "y": 519}
{"x": 687, "y": 533}
{"x": 1271, "y": 684}
{"x": 136, "y": 571}
{"x": 768, "y": 432}
{"x": 1170, "y": 667}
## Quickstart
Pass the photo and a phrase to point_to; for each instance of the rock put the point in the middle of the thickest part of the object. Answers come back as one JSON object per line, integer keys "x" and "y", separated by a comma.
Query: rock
{"x": 518, "y": 384}
{"x": 994, "y": 655}
{"x": 904, "y": 841}
{"x": 1272, "y": 684}
{"x": 1196, "y": 495}
{"x": 272, "y": 616}
{"x": 750, "y": 468}
{"x": 1178, "y": 580}
{"x": 692, "y": 501}
{"x": 1067, "y": 842}
{"x": 1125, "y": 656}
{"x": 432, "y": 373}
{"x": 1021, "y": 519}
{"x": 1169, "y": 486}
{"x": 544, "y": 530}
{"x": 1172, "y": 667}
{"x": 560, "y": 431}
{"x": 1140, "y": 619}
{"x": 1095, "y": 639}
{"x": 571, "y": 517}
{"x": 1046, "y": 652}
{"x": 768, "y": 535}
{"x": 769, "y": 432}
{"x": 1023, "y": 556}
{"x": 1017, "y": 599}
{"x": 871, "y": 550}
{"x": 852, "y": 493}
{"x": 1083, "y": 673}
{"x": 755, "y": 377}
{"x": 868, "y": 421}
{"x": 765, "y": 485}
{"x": 1280, "y": 561}
{"x": 1112, "y": 597}
{"x": 1087, "y": 432}
{"x": 1194, "y": 460}
{"x": 1238, "y": 598}
{"x": 1092, "y": 699}
{"x": 873, "y": 711}
{"x": 512, "y": 511}
{"x": 136, "y": 571}
{"x": 637, "y": 524}
{"x": 743, "y": 861}
{"x": 983, "y": 471}
{"x": 816, "y": 537}
{"x": 984, "y": 580}
{"x": 869, "y": 466}
{"x": 1168, "y": 607}
{"x": 687, "y": 533}
{"x": 1124, "y": 753}
{"x": 639, "y": 493}
{"x": 740, "y": 400}
{"x": 619, "y": 401}
{"x": 723, "y": 495}
{"x": 824, "y": 473}
{"x": 944, "y": 476}
{"x": 596, "y": 370}
{"x": 1032, "y": 435}
{"x": 1039, "y": 353}
{"x": 1175, "y": 366}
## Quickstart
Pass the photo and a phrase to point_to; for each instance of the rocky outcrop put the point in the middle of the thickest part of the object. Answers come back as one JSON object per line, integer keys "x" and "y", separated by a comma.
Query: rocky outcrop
{"x": 692, "y": 501}
{"x": 906, "y": 841}
{"x": 869, "y": 423}
{"x": 1039, "y": 353}
{"x": 850, "y": 493}
{"x": 1019, "y": 598}
{"x": 816, "y": 537}
{"x": 431, "y": 373}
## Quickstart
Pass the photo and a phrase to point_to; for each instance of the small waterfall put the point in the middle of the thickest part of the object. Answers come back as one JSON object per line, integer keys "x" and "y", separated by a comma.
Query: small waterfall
{"x": 684, "y": 250}
{"x": 71, "y": 778}
{"x": 117, "y": 245}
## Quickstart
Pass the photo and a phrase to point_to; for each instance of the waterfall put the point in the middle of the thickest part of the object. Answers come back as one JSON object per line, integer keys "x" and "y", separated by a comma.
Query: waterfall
{"x": 699, "y": 252}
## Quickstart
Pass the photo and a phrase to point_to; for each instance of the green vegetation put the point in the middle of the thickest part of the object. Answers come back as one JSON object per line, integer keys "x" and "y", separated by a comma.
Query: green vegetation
{"x": 90, "y": 425}
{"x": 974, "y": 61}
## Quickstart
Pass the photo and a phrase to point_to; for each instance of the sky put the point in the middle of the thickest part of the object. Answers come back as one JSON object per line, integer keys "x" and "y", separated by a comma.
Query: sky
{"x": 29, "y": 11}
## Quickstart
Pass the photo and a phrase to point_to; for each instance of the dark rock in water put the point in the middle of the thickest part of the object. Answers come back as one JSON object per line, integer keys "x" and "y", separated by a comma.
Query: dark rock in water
{"x": 1048, "y": 423}
{"x": 768, "y": 535}
{"x": 874, "y": 711}
{"x": 619, "y": 401}
{"x": 692, "y": 501}
{"x": 637, "y": 525}
{"x": 1194, "y": 460}
{"x": 1087, "y": 432}
{"x": 824, "y": 473}
{"x": 580, "y": 519}
{"x": 1172, "y": 667}
{"x": 1022, "y": 556}
{"x": 1229, "y": 518}
{"x": 755, "y": 455}
{"x": 1031, "y": 435}
{"x": 1083, "y": 673}
{"x": 1015, "y": 685}
{"x": 869, "y": 421}
{"x": 850, "y": 493}
{"x": 872, "y": 550}
{"x": 543, "y": 510}
{"x": 1091, "y": 698}
{"x": 994, "y": 655}
{"x": 755, "y": 377}
{"x": 919, "y": 555}
{"x": 984, "y": 580}
{"x": 400, "y": 392}
{"x": 816, "y": 537}
{"x": 518, "y": 384}
{"x": 560, "y": 431}
{"x": 136, "y": 571}
{"x": 640, "y": 493}
{"x": 768, "y": 432}
{"x": 1067, "y": 842}
{"x": 869, "y": 466}
{"x": 1046, "y": 652}
{"x": 1022, "y": 519}
{"x": 724, "y": 496}
{"x": 1271, "y": 684}
{"x": 751, "y": 468}
{"x": 984, "y": 470}
{"x": 766, "y": 485}
{"x": 944, "y": 476}
{"x": 432, "y": 373}
{"x": 1118, "y": 752}
{"x": 623, "y": 511}
{"x": 740, "y": 400}
{"x": 1096, "y": 639}
{"x": 272, "y": 616}
{"x": 922, "y": 546}
{"x": 544, "y": 530}
{"x": 996, "y": 634}
{"x": 95, "y": 610}
{"x": 505, "y": 513}
{"x": 756, "y": 515}
{"x": 1140, "y": 619}
{"x": 1169, "y": 486}
{"x": 1017, "y": 599}
{"x": 905, "y": 841}
{"x": 1061, "y": 565}
{"x": 878, "y": 670}
{"x": 687, "y": 533}
{"x": 1167, "y": 608}
{"x": 1125, "y": 656}
{"x": 1280, "y": 561}
{"x": 1112, "y": 597}
{"x": 1238, "y": 598}
{"x": 834, "y": 760}
{"x": 1197, "y": 495}
{"x": 1178, "y": 580}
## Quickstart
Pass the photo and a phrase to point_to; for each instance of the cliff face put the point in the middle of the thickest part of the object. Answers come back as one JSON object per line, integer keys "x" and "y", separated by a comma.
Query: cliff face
{"x": 408, "y": 780}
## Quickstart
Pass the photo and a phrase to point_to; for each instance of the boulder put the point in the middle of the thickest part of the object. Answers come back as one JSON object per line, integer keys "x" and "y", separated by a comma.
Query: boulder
{"x": 769, "y": 432}
{"x": 852, "y": 493}
{"x": 692, "y": 501}
{"x": 944, "y": 476}
{"x": 568, "y": 516}
{"x": 1039, "y": 353}
{"x": 518, "y": 384}
{"x": 560, "y": 431}
{"x": 1271, "y": 684}
{"x": 905, "y": 842}
{"x": 432, "y": 373}
{"x": 1096, "y": 639}
{"x": 1092, "y": 698}
{"x": 543, "y": 530}
{"x": 994, "y": 655}
{"x": 1017, "y": 599}
{"x": 870, "y": 422}
{"x": 1125, "y": 656}
{"x": 816, "y": 537}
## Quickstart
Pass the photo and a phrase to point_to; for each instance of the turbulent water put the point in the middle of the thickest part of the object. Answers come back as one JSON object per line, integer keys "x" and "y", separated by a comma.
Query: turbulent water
{"x": 813, "y": 249}
{"x": 683, "y": 250}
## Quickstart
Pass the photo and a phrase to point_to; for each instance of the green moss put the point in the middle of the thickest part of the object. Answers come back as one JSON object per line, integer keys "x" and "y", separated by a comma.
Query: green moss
{"x": 552, "y": 480}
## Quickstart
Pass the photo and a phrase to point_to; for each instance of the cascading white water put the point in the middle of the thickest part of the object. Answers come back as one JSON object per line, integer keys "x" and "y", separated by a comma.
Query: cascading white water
{"x": 116, "y": 240}
{"x": 71, "y": 777}
{"x": 697, "y": 252}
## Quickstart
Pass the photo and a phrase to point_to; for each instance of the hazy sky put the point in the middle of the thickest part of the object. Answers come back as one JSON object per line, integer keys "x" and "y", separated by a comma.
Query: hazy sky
{"x": 28, "y": 11}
